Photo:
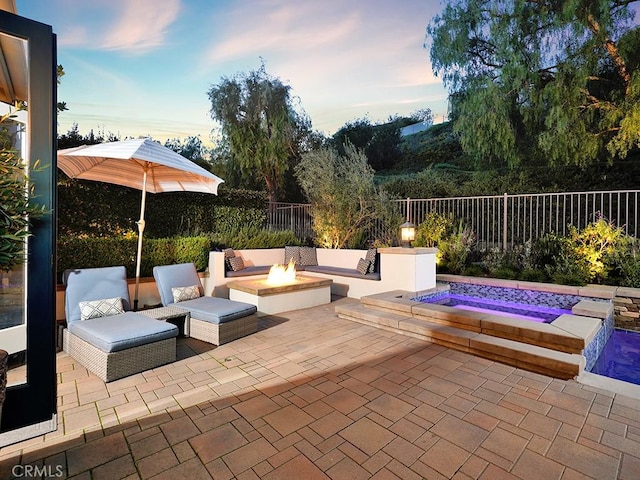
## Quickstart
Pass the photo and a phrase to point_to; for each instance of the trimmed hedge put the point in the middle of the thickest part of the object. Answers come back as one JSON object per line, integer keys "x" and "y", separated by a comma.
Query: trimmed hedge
{"x": 251, "y": 237}
{"x": 91, "y": 252}
{"x": 100, "y": 209}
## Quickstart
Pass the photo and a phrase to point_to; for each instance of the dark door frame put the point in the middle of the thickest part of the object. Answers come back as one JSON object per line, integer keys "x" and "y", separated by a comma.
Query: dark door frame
{"x": 30, "y": 408}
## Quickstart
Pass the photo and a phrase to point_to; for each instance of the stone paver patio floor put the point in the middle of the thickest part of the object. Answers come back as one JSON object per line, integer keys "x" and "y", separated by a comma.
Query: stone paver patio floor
{"x": 312, "y": 396}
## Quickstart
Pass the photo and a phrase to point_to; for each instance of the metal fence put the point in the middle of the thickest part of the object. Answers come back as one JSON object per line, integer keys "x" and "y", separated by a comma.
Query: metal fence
{"x": 290, "y": 216}
{"x": 500, "y": 220}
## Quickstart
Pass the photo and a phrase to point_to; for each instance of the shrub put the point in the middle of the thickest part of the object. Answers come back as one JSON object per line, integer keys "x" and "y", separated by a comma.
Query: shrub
{"x": 505, "y": 272}
{"x": 344, "y": 199}
{"x": 17, "y": 208}
{"x": 92, "y": 252}
{"x": 433, "y": 229}
{"x": 545, "y": 249}
{"x": 101, "y": 209}
{"x": 251, "y": 237}
{"x": 626, "y": 260}
{"x": 567, "y": 268}
{"x": 532, "y": 275}
{"x": 595, "y": 247}
{"x": 500, "y": 263}
{"x": 475, "y": 270}
{"x": 455, "y": 251}
{"x": 493, "y": 259}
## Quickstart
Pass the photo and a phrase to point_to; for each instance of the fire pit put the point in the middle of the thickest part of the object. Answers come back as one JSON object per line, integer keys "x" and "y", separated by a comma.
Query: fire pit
{"x": 282, "y": 291}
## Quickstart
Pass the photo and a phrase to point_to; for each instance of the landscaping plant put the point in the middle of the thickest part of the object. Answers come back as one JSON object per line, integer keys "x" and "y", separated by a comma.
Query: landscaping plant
{"x": 433, "y": 229}
{"x": 344, "y": 199}
{"x": 16, "y": 207}
{"x": 455, "y": 251}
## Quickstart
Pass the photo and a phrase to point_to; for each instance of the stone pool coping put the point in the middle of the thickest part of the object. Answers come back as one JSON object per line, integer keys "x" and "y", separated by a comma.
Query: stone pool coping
{"x": 594, "y": 291}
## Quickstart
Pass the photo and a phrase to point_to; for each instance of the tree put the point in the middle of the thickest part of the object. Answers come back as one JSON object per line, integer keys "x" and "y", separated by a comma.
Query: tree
{"x": 191, "y": 148}
{"x": 259, "y": 122}
{"x": 73, "y": 138}
{"x": 380, "y": 143}
{"x": 344, "y": 199}
{"x": 543, "y": 80}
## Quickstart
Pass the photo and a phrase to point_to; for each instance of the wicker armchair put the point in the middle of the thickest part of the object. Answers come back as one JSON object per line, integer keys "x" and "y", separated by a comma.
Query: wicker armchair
{"x": 213, "y": 320}
{"x": 112, "y": 346}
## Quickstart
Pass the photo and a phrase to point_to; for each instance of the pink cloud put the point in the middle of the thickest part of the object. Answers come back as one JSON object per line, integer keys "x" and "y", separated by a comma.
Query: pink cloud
{"x": 142, "y": 25}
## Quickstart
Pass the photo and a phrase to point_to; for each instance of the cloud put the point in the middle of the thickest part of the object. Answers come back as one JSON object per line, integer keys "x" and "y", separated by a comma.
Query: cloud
{"x": 142, "y": 25}
{"x": 124, "y": 25}
{"x": 280, "y": 26}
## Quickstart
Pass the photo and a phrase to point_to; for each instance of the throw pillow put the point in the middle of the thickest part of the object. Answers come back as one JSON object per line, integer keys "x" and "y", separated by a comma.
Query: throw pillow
{"x": 291, "y": 252}
{"x": 371, "y": 256}
{"x": 180, "y": 294}
{"x": 308, "y": 256}
{"x": 101, "y": 308}
{"x": 236, "y": 263}
{"x": 363, "y": 266}
{"x": 228, "y": 255}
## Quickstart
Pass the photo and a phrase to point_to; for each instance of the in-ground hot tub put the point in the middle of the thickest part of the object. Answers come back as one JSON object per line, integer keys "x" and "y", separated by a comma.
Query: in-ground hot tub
{"x": 522, "y": 311}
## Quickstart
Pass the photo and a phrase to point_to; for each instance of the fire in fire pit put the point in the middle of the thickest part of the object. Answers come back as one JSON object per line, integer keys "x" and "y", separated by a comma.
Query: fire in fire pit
{"x": 281, "y": 275}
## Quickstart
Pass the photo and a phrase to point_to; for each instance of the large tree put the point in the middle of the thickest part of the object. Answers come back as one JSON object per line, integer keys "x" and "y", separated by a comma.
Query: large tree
{"x": 380, "y": 142}
{"x": 548, "y": 81}
{"x": 259, "y": 123}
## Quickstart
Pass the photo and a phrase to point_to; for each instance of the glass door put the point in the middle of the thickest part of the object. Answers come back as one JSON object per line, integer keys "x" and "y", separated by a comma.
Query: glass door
{"x": 27, "y": 303}
{"x": 13, "y": 278}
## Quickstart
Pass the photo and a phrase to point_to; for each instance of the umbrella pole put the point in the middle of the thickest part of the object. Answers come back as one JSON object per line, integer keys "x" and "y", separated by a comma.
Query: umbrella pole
{"x": 140, "y": 224}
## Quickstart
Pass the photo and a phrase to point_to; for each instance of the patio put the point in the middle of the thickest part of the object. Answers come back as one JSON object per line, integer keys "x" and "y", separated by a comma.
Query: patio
{"x": 315, "y": 396}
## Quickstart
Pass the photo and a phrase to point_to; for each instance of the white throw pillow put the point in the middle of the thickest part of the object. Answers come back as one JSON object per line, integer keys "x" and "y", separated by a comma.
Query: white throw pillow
{"x": 180, "y": 294}
{"x": 101, "y": 308}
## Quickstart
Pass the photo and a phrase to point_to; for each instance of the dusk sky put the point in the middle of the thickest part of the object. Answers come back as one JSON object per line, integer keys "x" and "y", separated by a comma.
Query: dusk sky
{"x": 144, "y": 67}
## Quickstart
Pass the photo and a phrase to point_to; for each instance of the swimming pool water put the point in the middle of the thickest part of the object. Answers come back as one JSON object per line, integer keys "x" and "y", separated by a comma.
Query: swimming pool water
{"x": 620, "y": 358}
{"x": 535, "y": 313}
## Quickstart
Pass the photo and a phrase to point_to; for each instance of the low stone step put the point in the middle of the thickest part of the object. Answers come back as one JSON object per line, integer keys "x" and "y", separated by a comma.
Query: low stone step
{"x": 523, "y": 355}
{"x": 374, "y": 316}
{"x": 393, "y": 301}
{"x": 529, "y": 357}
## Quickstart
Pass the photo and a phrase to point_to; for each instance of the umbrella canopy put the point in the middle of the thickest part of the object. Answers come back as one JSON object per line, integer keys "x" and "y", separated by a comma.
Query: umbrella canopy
{"x": 124, "y": 163}
{"x": 142, "y": 164}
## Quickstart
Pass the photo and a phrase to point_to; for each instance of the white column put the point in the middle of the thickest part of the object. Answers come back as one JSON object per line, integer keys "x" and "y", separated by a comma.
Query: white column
{"x": 411, "y": 269}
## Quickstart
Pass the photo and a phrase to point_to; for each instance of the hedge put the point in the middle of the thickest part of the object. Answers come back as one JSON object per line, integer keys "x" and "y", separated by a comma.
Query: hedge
{"x": 100, "y": 209}
{"x": 91, "y": 252}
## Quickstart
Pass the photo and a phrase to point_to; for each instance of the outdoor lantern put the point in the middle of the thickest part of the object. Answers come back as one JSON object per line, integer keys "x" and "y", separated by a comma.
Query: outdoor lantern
{"x": 407, "y": 234}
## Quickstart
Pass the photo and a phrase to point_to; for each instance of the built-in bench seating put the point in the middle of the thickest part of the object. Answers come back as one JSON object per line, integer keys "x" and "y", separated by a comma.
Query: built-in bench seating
{"x": 339, "y": 265}
{"x": 366, "y": 263}
{"x": 306, "y": 259}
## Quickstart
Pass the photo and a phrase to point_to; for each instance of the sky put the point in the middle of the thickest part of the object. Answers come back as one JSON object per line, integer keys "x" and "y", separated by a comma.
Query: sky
{"x": 144, "y": 67}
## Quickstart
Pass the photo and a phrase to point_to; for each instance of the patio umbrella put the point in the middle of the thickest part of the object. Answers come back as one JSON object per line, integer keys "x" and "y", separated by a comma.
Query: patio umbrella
{"x": 142, "y": 164}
